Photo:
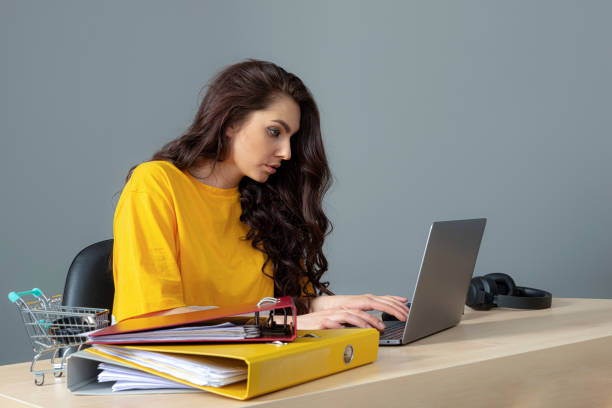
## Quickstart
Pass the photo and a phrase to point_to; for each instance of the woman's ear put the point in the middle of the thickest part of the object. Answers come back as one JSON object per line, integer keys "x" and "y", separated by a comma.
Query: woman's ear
{"x": 231, "y": 130}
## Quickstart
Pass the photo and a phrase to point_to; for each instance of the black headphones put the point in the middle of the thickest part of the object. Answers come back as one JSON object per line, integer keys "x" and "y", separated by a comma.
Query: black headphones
{"x": 499, "y": 289}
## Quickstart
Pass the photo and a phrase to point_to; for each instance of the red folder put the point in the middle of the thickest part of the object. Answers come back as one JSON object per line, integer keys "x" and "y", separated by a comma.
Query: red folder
{"x": 270, "y": 330}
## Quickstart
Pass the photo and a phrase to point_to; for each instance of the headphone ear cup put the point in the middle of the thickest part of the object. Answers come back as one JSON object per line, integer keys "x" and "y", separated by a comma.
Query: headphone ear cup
{"x": 490, "y": 286}
{"x": 490, "y": 291}
{"x": 473, "y": 291}
{"x": 505, "y": 284}
{"x": 478, "y": 297}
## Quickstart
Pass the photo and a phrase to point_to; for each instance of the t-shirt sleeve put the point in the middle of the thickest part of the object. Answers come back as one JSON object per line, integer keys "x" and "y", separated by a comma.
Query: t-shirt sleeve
{"x": 145, "y": 255}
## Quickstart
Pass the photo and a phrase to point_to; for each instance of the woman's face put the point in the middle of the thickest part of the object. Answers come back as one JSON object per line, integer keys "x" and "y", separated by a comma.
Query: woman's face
{"x": 259, "y": 146}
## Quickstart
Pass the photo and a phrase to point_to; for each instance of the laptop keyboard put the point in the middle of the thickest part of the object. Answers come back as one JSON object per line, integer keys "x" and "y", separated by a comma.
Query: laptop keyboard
{"x": 393, "y": 330}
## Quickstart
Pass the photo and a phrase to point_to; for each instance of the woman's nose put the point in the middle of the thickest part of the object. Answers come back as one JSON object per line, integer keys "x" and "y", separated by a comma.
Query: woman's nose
{"x": 285, "y": 150}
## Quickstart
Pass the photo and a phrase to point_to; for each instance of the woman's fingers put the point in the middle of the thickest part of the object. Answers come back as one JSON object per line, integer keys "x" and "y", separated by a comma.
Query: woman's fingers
{"x": 357, "y": 318}
{"x": 399, "y": 303}
{"x": 400, "y": 299}
{"x": 337, "y": 319}
{"x": 331, "y": 324}
{"x": 389, "y": 305}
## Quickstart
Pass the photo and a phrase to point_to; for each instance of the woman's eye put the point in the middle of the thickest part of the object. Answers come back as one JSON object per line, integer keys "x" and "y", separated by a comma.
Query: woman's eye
{"x": 274, "y": 131}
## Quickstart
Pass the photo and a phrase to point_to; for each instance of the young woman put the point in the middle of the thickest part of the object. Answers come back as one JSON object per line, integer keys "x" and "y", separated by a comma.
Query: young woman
{"x": 231, "y": 211}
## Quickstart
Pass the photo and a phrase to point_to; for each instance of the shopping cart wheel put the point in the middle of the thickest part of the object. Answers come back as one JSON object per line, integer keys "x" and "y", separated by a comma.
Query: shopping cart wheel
{"x": 39, "y": 379}
{"x": 58, "y": 374}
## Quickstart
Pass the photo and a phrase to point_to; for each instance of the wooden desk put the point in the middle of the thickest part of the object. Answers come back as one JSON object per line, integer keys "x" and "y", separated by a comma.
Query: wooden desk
{"x": 555, "y": 357}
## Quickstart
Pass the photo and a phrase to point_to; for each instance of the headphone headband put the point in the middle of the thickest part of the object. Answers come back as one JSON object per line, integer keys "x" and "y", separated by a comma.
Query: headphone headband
{"x": 525, "y": 298}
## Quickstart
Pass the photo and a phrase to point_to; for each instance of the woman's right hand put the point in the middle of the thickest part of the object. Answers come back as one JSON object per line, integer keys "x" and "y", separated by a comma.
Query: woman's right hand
{"x": 338, "y": 319}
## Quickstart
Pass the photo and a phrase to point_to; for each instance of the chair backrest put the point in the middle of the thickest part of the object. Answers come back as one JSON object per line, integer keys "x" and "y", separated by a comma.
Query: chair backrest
{"x": 90, "y": 278}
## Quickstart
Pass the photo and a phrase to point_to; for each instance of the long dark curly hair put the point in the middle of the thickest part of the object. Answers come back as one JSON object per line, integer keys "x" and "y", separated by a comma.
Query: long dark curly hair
{"x": 285, "y": 213}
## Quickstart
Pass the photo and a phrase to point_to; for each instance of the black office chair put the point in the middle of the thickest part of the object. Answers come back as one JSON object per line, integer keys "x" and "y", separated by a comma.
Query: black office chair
{"x": 90, "y": 278}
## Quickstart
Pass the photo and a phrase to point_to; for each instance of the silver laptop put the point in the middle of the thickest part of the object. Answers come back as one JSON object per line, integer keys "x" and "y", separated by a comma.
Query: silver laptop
{"x": 443, "y": 282}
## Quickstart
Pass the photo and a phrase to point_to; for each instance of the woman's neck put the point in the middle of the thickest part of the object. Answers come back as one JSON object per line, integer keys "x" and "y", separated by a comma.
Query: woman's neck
{"x": 222, "y": 175}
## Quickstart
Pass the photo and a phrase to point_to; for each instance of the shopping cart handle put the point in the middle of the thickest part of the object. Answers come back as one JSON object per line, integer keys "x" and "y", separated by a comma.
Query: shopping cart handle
{"x": 13, "y": 296}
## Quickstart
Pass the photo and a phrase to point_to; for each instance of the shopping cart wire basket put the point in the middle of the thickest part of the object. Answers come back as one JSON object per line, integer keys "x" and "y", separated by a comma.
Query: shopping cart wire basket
{"x": 53, "y": 328}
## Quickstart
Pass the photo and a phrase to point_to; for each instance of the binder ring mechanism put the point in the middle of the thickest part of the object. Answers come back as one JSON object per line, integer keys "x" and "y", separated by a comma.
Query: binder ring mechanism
{"x": 267, "y": 300}
{"x": 263, "y": 302}
{"x": 270, "y": 326}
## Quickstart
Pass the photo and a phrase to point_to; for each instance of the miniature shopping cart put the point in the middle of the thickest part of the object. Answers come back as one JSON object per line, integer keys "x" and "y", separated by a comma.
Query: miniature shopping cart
{"x": 55, "y": 330}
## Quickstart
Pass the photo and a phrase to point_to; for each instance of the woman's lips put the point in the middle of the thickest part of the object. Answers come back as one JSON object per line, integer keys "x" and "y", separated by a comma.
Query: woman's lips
{"x": 270, "y": 169}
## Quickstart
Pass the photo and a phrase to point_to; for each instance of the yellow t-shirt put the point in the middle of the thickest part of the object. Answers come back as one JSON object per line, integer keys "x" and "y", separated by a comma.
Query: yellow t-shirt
{"x": 179, "y": 242}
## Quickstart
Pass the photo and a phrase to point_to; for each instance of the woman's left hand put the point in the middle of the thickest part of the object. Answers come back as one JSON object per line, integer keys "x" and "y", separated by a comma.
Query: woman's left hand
{"x": 394, "y": 305}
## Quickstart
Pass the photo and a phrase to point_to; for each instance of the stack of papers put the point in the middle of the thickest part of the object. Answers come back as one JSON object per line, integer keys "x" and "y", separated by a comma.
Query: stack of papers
{"x": 131, "y": 379}
{"x": 198, "y": 370}
{"x": 220, "y": 332}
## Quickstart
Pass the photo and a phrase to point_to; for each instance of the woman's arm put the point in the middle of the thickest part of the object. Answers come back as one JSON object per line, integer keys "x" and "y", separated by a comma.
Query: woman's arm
{"x": 145, "y": 260}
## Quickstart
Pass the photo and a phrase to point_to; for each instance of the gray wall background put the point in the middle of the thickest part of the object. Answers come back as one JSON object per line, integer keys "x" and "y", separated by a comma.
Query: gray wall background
{"x": 430, "y": 110}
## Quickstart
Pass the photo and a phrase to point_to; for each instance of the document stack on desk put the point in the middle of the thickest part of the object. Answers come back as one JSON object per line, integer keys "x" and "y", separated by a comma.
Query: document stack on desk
{"x": 239, "y": 351}
{"x": 237, "y": 370}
